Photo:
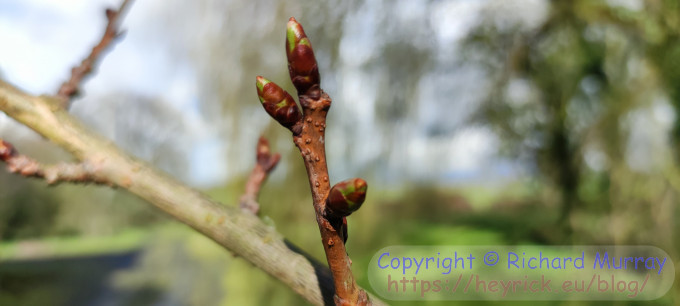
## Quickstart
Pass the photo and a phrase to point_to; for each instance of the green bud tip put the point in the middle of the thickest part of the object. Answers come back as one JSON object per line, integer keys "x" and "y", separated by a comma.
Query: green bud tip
{"x": 277, "y": 102}
{"x": 302, "y": 64}
{"x": 261, "y": 82}
{"x": 295, "y": 34}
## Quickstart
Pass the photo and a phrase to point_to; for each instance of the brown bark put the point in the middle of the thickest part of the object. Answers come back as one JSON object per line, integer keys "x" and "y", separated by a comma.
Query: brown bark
{"x": 311, "y": 142}
{"x": 100, "y": 161}
{"x": 53, "y": 174}
{"x": 70, "y": 88}
{"x": 241, "y": 233}
{"x": 309, "y": 136}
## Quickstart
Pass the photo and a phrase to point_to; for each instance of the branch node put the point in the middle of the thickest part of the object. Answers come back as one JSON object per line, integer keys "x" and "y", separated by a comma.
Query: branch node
{"x": 308, "y": 135}
{"x": 52, "y": 174}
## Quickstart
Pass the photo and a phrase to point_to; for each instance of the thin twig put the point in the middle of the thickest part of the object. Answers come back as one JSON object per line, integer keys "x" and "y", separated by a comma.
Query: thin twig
{"x": 266, "y": 162}
{"x": 70, "y": 88}
{"x": 308, "y": 130}
{"x": 53, "y": 174}
{"x": 310, "y": 139}
{"x": 315, "y": 104}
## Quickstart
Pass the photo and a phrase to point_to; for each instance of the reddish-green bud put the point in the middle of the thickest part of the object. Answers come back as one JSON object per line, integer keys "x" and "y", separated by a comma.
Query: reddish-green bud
{"x": 277, "y": 102}
{"x": 346, "y": 197}
{"x": 302, "y": 66}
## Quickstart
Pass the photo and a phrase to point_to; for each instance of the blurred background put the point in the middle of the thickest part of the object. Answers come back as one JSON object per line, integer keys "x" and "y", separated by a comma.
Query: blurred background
{"x": 474, "y": 122}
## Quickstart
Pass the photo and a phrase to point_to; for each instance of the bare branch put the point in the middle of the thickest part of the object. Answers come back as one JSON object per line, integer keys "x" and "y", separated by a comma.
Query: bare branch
{"x": 309, "y": 136}
{"x": 237, "y": 231}
{"x": 53, "y": 174}
{"x": 70, "y": 88}
{"x": 266, "y": 162}
{"x": 242, "y": 233}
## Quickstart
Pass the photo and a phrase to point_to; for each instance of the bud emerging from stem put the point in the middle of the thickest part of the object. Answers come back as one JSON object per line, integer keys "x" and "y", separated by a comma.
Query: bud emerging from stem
{"x": 6, "y": 150}
{"x": 301, "y": 61}
{"x": 346, "y": 197}
{"x": 264, "y": 156}
{"x": 277, "y": 102}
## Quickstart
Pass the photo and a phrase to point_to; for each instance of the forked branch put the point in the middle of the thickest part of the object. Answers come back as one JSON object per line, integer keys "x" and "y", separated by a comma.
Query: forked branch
{"x": 98, "y": 160}
{"x": 308, "y": 130}
{"x": 241, "y": 233}
{"x": 63, "y": 172}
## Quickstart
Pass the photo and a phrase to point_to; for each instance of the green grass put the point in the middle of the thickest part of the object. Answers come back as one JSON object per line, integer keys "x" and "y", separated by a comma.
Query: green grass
{"x": 60, "y": 247}
{"x": 413, "y": 215}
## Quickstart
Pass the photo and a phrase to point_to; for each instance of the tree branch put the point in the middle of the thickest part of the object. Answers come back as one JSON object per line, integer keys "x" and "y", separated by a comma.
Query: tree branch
{"x": 242, "y": 233}
{"x": 308, "y": 130}
{"x": 70, "y": 88}
{"x": 266, "y": 162}
{"x": 53, "y": 174}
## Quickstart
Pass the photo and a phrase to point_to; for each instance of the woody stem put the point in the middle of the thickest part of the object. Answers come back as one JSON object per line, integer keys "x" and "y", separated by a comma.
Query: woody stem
{"x": 310, "y": 140}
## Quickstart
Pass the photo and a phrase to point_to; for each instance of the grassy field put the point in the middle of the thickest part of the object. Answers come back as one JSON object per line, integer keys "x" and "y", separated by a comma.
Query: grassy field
{"x": 176, "y": 265}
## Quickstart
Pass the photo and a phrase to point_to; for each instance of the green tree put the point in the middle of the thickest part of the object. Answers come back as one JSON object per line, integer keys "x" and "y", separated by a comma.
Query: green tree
{"x": 562, "y": 95}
